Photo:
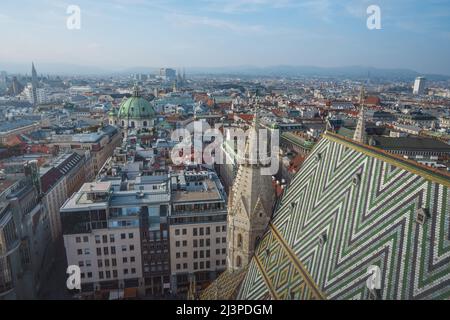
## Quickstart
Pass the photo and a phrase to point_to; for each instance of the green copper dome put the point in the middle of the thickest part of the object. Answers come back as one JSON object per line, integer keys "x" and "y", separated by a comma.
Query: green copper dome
{"x": 136, "y": 107}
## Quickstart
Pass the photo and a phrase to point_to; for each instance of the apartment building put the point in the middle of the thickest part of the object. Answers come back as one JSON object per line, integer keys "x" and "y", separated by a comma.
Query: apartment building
{"x": 58, "y": 181}
{"x": 99, "y": 145}
{"x": 25, "y": 254}
{"x": 197, "y": 229}
{"x": 103, "y": 240}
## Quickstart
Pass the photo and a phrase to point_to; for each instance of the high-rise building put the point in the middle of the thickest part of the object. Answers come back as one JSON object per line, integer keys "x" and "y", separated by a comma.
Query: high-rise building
{"x": 35, "y": 95}
{"x": 419, "y": 86}
{"x": 3, "y": 76}
{"x": 168, "y": 74}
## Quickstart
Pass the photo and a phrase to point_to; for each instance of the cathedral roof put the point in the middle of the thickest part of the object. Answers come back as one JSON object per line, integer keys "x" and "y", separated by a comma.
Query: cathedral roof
{"x": 353, "y": 208}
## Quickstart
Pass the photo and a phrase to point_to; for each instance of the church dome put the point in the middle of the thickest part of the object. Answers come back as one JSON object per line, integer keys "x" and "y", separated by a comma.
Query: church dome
{"x": 136, "y": 107}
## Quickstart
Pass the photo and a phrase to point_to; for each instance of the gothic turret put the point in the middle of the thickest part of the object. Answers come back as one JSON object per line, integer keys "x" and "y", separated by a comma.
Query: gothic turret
{"x": 250, "y": 203}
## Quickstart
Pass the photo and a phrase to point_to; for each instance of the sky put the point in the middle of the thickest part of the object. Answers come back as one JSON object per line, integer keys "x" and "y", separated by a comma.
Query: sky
{"x": 120, "y": 34}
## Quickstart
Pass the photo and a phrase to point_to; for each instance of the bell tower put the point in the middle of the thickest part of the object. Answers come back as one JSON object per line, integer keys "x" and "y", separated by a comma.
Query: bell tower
{"x": 250, "y": 203}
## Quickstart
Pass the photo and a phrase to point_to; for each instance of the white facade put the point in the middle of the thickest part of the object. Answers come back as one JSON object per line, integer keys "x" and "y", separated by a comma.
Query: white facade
{"x": 419, "y": 85}
{"x": 106, "y": 255}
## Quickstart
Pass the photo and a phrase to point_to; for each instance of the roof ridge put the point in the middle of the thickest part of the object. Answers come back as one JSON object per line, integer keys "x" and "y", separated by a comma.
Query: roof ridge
{"x": 428, "y": 173}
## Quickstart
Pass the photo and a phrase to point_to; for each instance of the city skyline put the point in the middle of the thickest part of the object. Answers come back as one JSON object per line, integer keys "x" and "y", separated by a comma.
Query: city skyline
{"x": 413, "y": 35}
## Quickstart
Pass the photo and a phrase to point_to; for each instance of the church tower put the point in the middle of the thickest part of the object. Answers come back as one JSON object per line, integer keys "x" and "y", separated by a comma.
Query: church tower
{"x": 360, "y": 132}
{"x": 249, "y": 205}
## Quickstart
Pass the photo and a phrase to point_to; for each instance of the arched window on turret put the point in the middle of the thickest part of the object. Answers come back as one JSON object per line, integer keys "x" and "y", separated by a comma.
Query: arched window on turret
{"x": 239, "y": 240}
{"x": 132, "y": 124}
{"x": 123, "y": 123}
{"x": 145, "y": 123}
{"x": 238, "y": 261}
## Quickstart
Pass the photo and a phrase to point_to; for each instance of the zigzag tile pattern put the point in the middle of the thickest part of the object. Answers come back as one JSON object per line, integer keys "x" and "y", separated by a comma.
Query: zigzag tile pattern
{"x": 345, "y": 211}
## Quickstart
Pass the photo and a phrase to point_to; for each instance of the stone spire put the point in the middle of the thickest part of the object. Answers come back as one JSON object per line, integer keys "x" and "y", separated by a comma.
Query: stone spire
{"x": 250, "y": 204}
{"x": 360, "y": 132}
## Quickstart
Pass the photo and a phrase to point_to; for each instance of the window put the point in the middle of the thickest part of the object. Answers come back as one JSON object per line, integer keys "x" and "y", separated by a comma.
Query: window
{"x": 78, "y": 239}
{"x": 217, "y": 251}
{"x": 201, "y": 231}
{"x": 131, "y": 247}
{"x": 133, "y": 270}
{"x": 130, "y": 236}
{"x": 224, "y": 228}
{"x": 124, "y": 248}
{"x": 195, "y": 254}
{"x": 100, "y": 263}
{"x": 88, "y": 263}
{"x": 208, "y": 231}
{"x": 178, "y": 255}
{"x": 177, "y": 244}
{"x": 177, "y": 232}
{"x": 217, "y": 262}
{"x": 87, "y": 251}
{"x": 111, "y": 238}
{"x": 100, "y": 274}
{"x": 218, "y": 229}
{"x": 105, "y": 239}
{"x": 208, "y": 242}
{"x": 113, "y": 262}
{"x": 184, "y": 243}
{"x": 202, "y": 254}
{"x": 202, "y": 242}
{"x": 106, "y": 251}
{"x": 195, "y": 265}
{"x": 89, "y": 274}
{"x": 80, "y": 252}
{"x": 99, "y": 251}
{"x": 81, "y": 263}
{"x": 123, "y": 236}
{"x": 238, "y": 261}
{"x": 114, "y": 273}
{"x": 184, "y": 265}
{"x": 239, "y": 240}
{"x": 82, "y": 275}
{"x": 185, "y": 254}
{"x": 106, "y": 262}
{"x": 108, "y": 274}
{"x": 124, "y": 259}
{"x": 223, "y": 262}
{"x": 208, "y": 253}
{"x": 132, "y": 259}
{"x": 184, "y": 232}
{"x": 224, "y": 250}
{"x": 178, "y": 266}
{"x": 85, "y": 239}
{"x": 202, "y": 265}
{"x": 113, "y": 250}
{"x": 97, "y": 239}
{"x": 195, "y": 243}
{"x": 194, "y": 231}
{"x": 217, "y": 240}
{"x": 208, "y": 265}
{"x": 125, "y": 271}
{"x": 224, "y": 239}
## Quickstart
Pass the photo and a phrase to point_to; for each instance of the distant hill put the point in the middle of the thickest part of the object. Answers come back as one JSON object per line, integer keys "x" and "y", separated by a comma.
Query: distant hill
{"x": 280, "y": 70}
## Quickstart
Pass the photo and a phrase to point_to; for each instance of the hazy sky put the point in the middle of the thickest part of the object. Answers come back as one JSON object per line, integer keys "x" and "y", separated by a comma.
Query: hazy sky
{"x": 205, "y": 33}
